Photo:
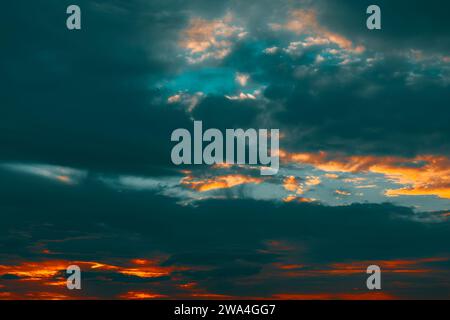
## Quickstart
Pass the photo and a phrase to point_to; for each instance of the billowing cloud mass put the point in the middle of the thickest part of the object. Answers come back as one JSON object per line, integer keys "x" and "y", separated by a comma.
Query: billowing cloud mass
{"x": 86, "y": 177}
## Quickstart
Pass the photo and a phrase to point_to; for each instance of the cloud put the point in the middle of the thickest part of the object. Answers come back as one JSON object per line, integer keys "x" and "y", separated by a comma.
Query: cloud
{"x": 304, "y": 22}
{"x": 210, "y": 39}
{"x": 139, "y": 295}
{"x": 312, "y": 181}
{"x": 60, "y": 174}
{"x": 401, "y": 29}
{"x": 291, "y": 184}
{"x": 342, "y": 193}
{"x": 218, "y": 182}
{"x": 242, "y": 96}
{"x": 242, "y": 79}
{"x": 423, "y": 175}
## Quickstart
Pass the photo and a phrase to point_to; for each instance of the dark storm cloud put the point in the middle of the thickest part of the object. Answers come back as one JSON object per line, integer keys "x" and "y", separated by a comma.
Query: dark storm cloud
{"x": 374, "y": 111}
{"x": 91, "y": 99}
{"x": 390, "y": 105}
{"x": 406, "y": 24}
{"x": 85, "y": 98}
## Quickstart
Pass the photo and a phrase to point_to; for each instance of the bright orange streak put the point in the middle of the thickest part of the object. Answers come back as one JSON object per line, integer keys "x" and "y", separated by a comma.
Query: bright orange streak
{"x": 291, "y": 266}
{"x": 138, "y": 295}
{"x": 211, "y": 296}
{"x": 36, "y": 271}
{"x": 219, "y": 182}
{"x": 359, "y": 267}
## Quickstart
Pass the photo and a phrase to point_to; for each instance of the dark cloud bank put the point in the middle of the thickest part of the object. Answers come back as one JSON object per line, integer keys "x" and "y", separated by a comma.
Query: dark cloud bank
{"x": 231, "y": 237}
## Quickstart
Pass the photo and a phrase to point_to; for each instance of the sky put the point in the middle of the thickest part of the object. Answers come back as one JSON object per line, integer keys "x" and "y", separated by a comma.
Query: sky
{"x": 86, "y": 176}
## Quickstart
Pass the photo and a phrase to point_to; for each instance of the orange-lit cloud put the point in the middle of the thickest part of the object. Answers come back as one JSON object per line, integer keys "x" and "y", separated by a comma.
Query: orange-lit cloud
{"x": 342, "y": 192}
{"x": 181, "y": 289}
{"x": 290, "y": 266}
{"x": 295, "y": 268}
{"x": 412, "y": 266}
{"x": 49, "y": 269}
{"x": 35, "y": 270}
{"x": 47, "y": 279}
{"x": 206, "y": 39}
{"x": 188, "y": 286}
{"x": 291, "y": 184}
{"x": 291, "y": 198}
{"x": 312, "y": 181}
{"x": 421, "y": 175}
{"x": 443, "y": 192}
{"x": 142, "y": 261}
{"x": 242, "y": 79}
{"x": 211, "y": 296}
{"x": 392, "y": 266}
{"x": 219, "y": 182}
{"x": 304, "y": 22}
{"x": 141, "y": 295}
